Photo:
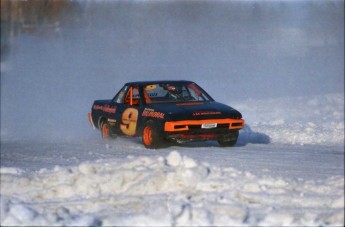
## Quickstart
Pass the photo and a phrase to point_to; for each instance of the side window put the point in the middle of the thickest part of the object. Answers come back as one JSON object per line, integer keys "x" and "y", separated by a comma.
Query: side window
{"x": 195, "y": 93}
{"x": 120, "y": 96}
{"x": 132, "y": 96}
{"x": 186, "y": 94}
{"x": 154, "y": 93}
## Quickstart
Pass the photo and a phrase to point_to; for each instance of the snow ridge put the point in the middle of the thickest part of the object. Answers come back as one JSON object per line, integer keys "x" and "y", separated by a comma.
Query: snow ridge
{"x": 172, "y": 190}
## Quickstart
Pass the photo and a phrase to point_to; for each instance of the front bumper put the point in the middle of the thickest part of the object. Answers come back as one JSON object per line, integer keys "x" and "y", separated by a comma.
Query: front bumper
{"x": 192, "y": 130}
{"x": 187, "y": 125}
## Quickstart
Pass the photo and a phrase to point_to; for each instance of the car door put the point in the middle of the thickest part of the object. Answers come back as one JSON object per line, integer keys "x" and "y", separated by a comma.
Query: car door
{"x": 128, "y": 102}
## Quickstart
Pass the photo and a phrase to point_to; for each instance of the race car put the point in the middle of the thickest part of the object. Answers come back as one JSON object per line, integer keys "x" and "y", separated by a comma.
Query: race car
{"x": 166, "y": 111}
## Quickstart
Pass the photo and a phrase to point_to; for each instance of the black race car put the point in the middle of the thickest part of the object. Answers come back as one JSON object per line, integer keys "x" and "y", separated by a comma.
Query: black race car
{"x": 161, "y": 111}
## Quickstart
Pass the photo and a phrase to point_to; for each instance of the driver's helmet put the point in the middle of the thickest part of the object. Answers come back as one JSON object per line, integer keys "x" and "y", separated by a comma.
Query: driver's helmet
{"x": 174, "y": 92}
{"x": 173, "y": 89}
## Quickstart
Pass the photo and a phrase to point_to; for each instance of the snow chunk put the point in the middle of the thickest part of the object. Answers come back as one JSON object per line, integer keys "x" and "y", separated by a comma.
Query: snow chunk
{"x": 20, "y": 214}
{"x": 9, "y": 170}
{"x": 278, "y": 219}
{"x": 174, "y": 159}
{"x": 189, "y": 162}
{"x": 85, "y": 168}
{"x": 84, "y": 220}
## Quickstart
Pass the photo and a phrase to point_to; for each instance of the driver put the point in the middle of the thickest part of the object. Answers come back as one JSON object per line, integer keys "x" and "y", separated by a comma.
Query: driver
{"x": 174, "y": 92}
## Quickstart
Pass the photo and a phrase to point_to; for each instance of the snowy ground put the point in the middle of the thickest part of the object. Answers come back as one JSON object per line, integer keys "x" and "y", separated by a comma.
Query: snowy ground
{"x": 287, "y": 169}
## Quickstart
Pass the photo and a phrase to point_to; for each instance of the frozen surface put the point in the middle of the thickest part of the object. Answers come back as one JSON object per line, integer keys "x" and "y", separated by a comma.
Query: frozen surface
{"x": 280, "y": 63}
{"x": 256, "y": 185}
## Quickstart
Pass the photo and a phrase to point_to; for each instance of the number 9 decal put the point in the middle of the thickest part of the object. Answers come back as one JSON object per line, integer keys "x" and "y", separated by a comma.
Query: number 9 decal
{"x": 129, "y": 121}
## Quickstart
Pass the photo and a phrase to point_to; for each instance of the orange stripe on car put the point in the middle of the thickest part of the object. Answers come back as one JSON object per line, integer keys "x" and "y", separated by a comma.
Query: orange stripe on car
{"x": 131, "y": 96}
{"x": 189, "y": 103}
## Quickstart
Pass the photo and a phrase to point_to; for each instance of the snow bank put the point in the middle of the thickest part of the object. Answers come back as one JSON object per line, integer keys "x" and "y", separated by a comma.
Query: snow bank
{"x": 171, "y": 190}
{"x": 301, "y": 120}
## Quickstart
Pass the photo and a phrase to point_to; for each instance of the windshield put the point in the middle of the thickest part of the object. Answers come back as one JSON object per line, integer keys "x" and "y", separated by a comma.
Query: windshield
{"x": 174, "y": 92}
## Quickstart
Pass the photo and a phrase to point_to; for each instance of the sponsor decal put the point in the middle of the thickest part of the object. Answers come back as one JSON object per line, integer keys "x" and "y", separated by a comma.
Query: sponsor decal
{"x": 201, "y": 113}
{"x": 105, "y": 108}
{"x": 153, "y": 94}
{"x": 152, "y": 113}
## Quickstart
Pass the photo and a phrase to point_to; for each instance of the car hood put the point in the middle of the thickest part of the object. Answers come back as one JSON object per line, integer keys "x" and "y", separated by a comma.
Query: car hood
{"x": 196, "y": 111}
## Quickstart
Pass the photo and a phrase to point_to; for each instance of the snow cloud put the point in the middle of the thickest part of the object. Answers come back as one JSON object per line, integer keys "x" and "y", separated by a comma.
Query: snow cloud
{"x": 52, "y": 71}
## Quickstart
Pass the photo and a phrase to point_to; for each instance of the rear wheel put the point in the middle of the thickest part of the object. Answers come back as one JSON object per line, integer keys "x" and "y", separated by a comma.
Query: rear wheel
{"x": 229, "y": 140}
{"x": 150, "y": 136}
{"x": 105, "y": 131}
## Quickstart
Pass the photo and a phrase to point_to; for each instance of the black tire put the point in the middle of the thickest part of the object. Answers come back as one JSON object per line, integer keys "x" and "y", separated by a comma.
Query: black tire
{"x": 150, "y": 136}
{"x": 227, "y": 143}
{"x": 105, "y": 131}
{"x": 229, "y": 140}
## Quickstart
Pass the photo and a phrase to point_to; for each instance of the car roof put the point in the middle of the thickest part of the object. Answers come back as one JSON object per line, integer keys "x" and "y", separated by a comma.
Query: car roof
{"x": 141, "y": 83}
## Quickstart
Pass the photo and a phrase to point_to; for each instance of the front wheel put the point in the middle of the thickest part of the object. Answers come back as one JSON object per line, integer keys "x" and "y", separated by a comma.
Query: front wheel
{"x": 150, "y": 136}
{"x": 228, "y": 141}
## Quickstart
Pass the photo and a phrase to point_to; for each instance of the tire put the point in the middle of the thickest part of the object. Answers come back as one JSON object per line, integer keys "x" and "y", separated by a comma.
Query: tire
{"x": 105, "y": 131}
{"x": 150, "y": 136}
{"x": 228, "y": 141}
